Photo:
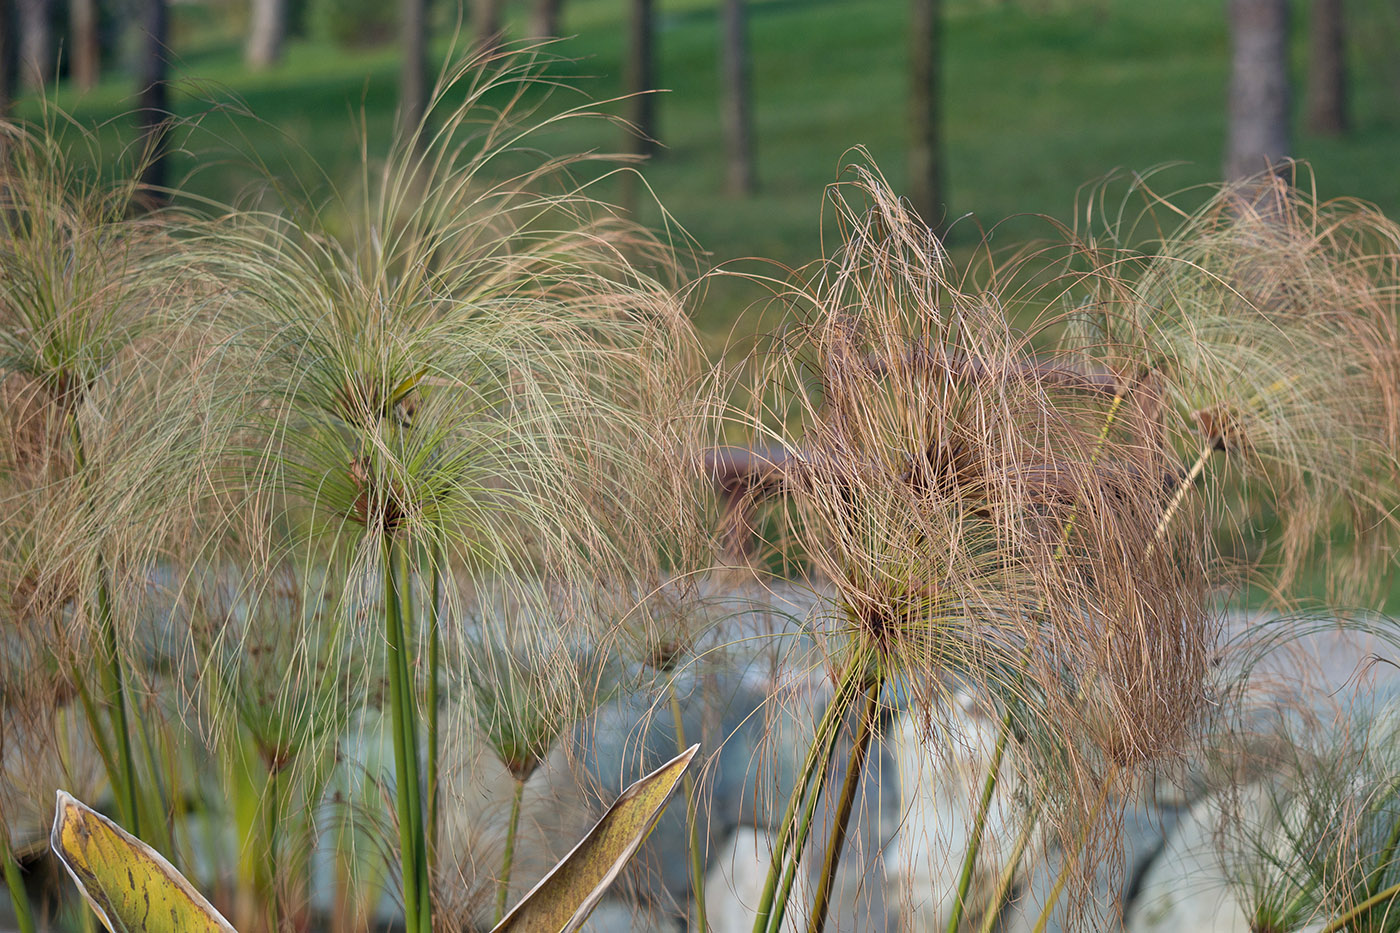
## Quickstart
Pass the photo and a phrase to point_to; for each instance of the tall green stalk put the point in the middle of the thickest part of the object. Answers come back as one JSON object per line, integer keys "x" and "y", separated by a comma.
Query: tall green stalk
{"x": 854, "y": 771}
{"x": 113, "y": 680}
{"x": 434, "y": 672}
{"x": 270, "y": 817}
{"x": 692, "y": 818}
{"x": 1072, "y": 858}
{"x": 792, "y": 830}
{"x": 408, "y": 801}
{"x": 508, "y": 860}
{"x": 19, "y": 897}
{"x": 92, "y": 716}
{"x": 114, "y": 684}
{"x": 979, "y": 824}
{"x": 1009, "y": 870}
{"x": 1387, "y": 855}
{"x": 1375, "y": 900}
{"x": 1180, "y": 494}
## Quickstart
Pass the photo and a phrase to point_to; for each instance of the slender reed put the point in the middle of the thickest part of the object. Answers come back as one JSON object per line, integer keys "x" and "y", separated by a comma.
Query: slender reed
{"x": 1179, "y": 494}
{"x": 1389, "y": 895}
{"x": 528, "y": 681}
{"x": 19, "y": 896}
{"x": 1009, "y": 871}
{"x": 508, "y": 858}
{"x": 795, "y": 823}
{"x": 272, "y": 817}
{"x": 692, "y": 816}
{"x": 403, "y": 709}
{"x": 855, "y": 772}
{"x": 432, "y": 700}
{"x": 979, "y": 826}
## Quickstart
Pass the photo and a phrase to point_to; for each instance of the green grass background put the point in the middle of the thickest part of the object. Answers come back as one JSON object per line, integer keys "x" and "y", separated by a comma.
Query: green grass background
{"x": 1042, "y": 97}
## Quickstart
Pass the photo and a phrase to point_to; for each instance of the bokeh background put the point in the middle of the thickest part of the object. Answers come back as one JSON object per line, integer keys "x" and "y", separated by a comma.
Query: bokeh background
{"x": 1029, "y": 103}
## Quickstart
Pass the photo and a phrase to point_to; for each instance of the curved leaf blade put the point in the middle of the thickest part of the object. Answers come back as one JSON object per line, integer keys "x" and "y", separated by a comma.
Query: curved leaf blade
{"x": 567, "y": 895}
{"x": 129, "y": 885}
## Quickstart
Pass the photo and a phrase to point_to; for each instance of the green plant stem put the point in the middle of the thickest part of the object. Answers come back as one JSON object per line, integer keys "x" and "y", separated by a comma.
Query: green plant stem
{"x": 407, "y": 795}
{"x": 798, "y": 846}
{"x": 979, "y": 823}
{"x": 99, "y": 735}
{"x": 1387, "y": 854}
{"x": 1072, "y": 859}
{"x": 434, "y": 668}
{"x": 1293, "y": 907}
{"x": 818, "y": 756}
{"x": 115, "y": 686}
{"x": 1179, "y": 495}
{"x": 270, "y": 822}
{"x": 1008, "y": 872}
{"x": 1375, "y": 900}
{"x": 503, "y": 889}
{"x": 156, "y": 803}
{"x": 854, "y": 771}
{"x": 798, "y": 843}
{"x": 410, "y": 696}
{"x": 19, "y": 897}
{"x": 692, "y": 817}
{"x": 1109, "y": 418}
{"x": 113, "y": 682}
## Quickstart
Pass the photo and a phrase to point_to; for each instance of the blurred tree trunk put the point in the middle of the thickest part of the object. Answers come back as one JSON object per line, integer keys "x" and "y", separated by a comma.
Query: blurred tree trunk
{"x": 1327, "y": 70}
{"x": 544, "y": 20}
{"x": 486, "y": 22}
{"x": 413, "y": 76}
{"x": 1258, "y": 136}
{"x": 925, "y": 112}
{"x": 9, "y": 55}
{"x": 735, "y": 93}
{"x": 640, "y": 77}
{"x": 86, "y": 63}
{"x": 35, "y": 42}
{"x": 153, "y": 113}
{"x": 266, "y": 32}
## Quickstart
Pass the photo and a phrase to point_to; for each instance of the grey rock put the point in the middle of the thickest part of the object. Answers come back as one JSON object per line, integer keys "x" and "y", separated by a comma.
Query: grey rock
{"x": 941, "y": 777}
{"x": 735, "y": 881}
{"x": 1138, "y": 835}
{"x": 1187, "y": 887}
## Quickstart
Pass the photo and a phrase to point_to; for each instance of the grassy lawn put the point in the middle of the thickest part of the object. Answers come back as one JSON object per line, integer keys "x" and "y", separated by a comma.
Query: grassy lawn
{"x": 1042, "y": 98}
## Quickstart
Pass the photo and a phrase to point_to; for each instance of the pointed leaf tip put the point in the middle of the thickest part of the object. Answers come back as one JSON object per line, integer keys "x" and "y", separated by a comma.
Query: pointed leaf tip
{"x": 566, "y": 896}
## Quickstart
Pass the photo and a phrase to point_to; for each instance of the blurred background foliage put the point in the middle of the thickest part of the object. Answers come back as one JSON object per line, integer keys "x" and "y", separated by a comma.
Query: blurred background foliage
{"x": 1039, "y": 99}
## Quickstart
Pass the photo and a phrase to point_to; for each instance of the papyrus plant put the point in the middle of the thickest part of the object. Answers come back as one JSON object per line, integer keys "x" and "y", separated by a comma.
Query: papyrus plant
{"x": 1264, "y": 324}
{"x": 1258, "y": 331}
{"x": 92, "y": 474}
{"x": 986, "y": 516}
{"x": 445, "y": 369}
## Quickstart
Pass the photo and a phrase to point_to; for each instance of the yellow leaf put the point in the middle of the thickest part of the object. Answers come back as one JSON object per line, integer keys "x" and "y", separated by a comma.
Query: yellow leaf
{"x": 567, "y": 895}
{"x": 129, "y": 885}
